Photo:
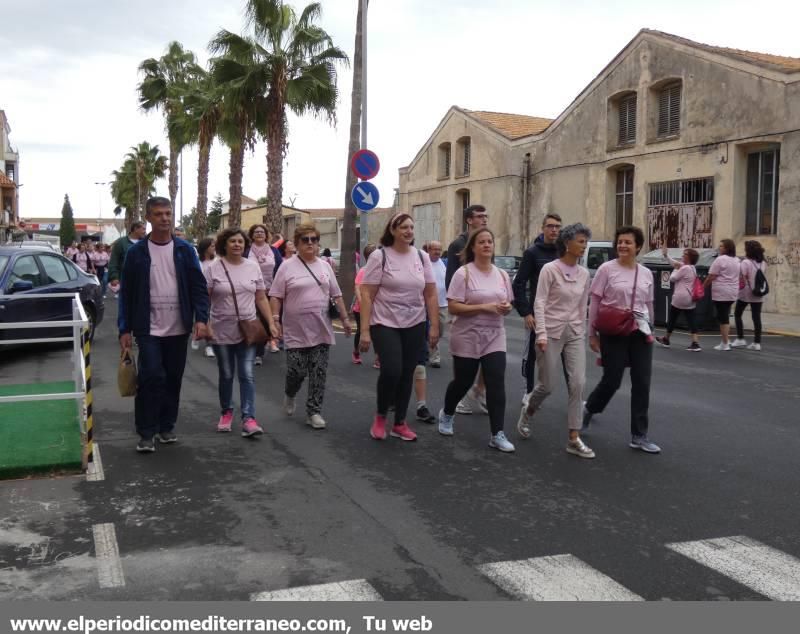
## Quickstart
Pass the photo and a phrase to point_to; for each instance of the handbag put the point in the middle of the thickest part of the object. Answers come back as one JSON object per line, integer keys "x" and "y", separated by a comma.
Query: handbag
{"x": 613, "y": 321}
{"x": 252, "y": 330}
{"x": 126, "y": 374}
{"x": 698, "y": 291}
{"x": 333, "y": 311}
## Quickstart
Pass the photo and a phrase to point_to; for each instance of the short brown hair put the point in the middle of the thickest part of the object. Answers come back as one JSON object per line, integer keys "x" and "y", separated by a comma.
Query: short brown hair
{"x": 694, "y": 256}
{"x": 304, "y": 229}
{"x": 387, "y": 239}
{"x": 252, "y": 230}
{"x": 636, "y": 232}
{"x": 468, "y": 254}
{"x": 368, "y": 249}
{"x": 552, "y": 215}
{"x": 730, "y": 247}
{"x": 225, "y": 235}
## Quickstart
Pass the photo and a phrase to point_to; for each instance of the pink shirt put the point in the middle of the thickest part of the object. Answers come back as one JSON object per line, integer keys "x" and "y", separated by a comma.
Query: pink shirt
{"x": 748, "y": 270}
{"x": 305, "y": 304}
{"x": 683, "y": 279}
{"x": 83, "y": 260}
{"x": 725, "y": 288}
{"x": 246, "y": 278}
{"x": 359, "y": 279}
{"x": 476, "y": 335}
{"x": 399, "y": 302}
{"x": 562, "y": 295}
{"x": 165, "y": 307}
{"x": 265, "y": 258}
{"x": 613, "y": 286}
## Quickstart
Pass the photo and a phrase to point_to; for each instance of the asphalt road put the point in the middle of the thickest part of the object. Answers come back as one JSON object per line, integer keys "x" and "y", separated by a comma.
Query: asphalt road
{"x": 221, "y": 517}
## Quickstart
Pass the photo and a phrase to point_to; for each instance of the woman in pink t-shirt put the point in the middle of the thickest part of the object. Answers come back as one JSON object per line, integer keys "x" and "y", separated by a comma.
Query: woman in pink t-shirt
{"x": 753, "y": 261}
{"x": 614, "y": 286}
{"x": 269, "y": 260}
{"x": 304, "y": 288}
{"x": 206, "y": 252}
{"x": 682, "y": 279}
{"x": 397, "y": 289}
{"x": 723, "y": 278}
{"x": 357, "y": 305}
{"x": 562, "y": 294}
{"x": 83, "y": 258}
{"x": 237, "y": 293}
{"x": 479, "y": 297}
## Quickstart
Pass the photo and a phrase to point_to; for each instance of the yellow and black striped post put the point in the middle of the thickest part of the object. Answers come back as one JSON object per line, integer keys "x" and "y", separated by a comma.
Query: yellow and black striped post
{"x": 87, "y": 349}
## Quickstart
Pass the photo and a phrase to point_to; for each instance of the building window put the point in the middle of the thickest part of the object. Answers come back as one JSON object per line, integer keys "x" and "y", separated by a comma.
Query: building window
{"x": 462, "y": 202}
{"x": 10, "y": 168}
{"x": 627, "y": 120}
{"x": 464, "y": 156}
{"x": 762, "y": 192}
{"x": 696, "y": 190}
{"x": 669, "y": 110}
{"x": 624, "y": 196}
{"x": 444, "y": 160}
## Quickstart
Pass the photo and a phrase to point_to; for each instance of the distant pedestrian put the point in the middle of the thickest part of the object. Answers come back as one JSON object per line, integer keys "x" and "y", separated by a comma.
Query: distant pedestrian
{"x": 236, "y": 287}
{"x": 328, "y": 257}
{"x": 83, "y": 258}
{"x": 439, "y": 272}
{"x": 162, "y": 292}
{"x": 120, "y": 248}
{"x": 723, "y": 278}
{"x": 562, "y": 294}
{"x": 479, "y": 298}
{"x": 100, "y": 258}
{"x": 397, "y": 289}
{"x": 71, "y": 250}
{"x": 207, "y": 250}
{"x": 683, "y": 280}
{"x": 268, "y": 259}
{"x": 368, "y": 249}
{"x": 304, "y": 289}
{"x": 750, "y": 294}
{"x": 621, "y": 311}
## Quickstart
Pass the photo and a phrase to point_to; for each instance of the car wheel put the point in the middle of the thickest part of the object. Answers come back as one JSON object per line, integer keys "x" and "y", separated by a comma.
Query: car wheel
{"x": 92, "y": 320}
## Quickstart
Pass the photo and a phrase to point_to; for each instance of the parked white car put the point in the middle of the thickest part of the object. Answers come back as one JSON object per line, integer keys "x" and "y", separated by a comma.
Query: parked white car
{"x": 596, "y": 254}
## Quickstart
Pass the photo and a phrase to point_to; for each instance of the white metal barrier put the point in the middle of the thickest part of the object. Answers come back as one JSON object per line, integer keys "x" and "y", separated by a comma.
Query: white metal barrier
{"x": 79, "y": 325}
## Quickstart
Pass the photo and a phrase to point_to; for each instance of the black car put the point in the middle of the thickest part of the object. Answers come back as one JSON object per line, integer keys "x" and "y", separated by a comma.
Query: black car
{"x": 33, "y": 270}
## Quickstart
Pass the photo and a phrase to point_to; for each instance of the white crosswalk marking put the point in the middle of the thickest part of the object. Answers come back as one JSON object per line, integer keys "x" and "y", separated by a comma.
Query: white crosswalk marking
{"x": 556, "y": 578}
{"x": 762, "y": 568}
{"x": 106, "y": 549}
{"x": 353, "y": 590}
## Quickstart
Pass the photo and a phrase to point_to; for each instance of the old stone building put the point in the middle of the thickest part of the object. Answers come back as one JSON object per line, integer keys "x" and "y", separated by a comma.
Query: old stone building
{"x": 9, "y": 180}
{"x": 693, "y": 142}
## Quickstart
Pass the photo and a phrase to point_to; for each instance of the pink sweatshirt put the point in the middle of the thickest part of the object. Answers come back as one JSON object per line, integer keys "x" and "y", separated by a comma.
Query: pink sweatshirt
{"x": 561, "y": 298}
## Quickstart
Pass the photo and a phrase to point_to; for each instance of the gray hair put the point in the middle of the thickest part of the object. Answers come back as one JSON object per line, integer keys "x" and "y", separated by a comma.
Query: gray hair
{"x": 570, "y": 232}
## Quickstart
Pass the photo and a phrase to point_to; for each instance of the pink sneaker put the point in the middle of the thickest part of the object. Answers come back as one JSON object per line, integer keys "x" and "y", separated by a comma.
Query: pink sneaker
{"x": 251, "y": 428}
{"x": 378, "y": 429}
{"x": 377, "y": 364}
{"x": 225, "y": 421}
{"x": 403, "y": 431}
{"x": 356, "y": 358}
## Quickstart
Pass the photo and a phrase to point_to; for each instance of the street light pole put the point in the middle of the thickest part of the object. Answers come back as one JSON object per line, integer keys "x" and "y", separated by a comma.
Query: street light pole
{"x": 363, "y": 217}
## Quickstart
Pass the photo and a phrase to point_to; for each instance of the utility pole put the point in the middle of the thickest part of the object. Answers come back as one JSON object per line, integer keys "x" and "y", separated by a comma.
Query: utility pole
{"x": 363, "y": 217}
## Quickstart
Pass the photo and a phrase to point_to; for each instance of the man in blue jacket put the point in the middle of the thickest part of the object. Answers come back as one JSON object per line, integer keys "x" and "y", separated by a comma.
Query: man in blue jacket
{"x": 163, "y": 292}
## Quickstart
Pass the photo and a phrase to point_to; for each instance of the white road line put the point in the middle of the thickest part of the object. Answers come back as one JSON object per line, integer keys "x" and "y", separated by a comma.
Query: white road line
{"x": 762, "y": 568}
{"x": 95, "y": 471}
{"x": 555, "y": 578}
{"x": 354, "y": 590}
{"x": 109, "y": 566}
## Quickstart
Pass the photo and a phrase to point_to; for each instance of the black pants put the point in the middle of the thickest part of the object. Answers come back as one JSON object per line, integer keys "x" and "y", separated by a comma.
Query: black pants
{"x": 494, "y": 375}
{"x": 674, "y": 313}
{"x": 357, "y": 338}
{"x": 617, "y": 353}
{"x": 755, "y": 311}
{"x": 398, "y": 349}
{"x": 723, "y": 312}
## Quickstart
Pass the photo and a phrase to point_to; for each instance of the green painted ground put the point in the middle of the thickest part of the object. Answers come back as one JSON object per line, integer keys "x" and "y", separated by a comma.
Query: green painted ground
{"x": 38, "y": 436}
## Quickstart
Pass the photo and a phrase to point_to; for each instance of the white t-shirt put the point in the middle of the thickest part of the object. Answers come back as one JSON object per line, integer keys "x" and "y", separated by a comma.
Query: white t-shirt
{"x": 165, "y": 305}
{"x": 439, "y": 272}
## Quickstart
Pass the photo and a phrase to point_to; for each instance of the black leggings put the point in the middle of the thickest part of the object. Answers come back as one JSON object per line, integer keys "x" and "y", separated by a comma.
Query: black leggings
{"x": 674, "y": 313}
{"x": 398, "y": 349}
{"x": 755, "y": 311}
{"x": 723, "y": 312}
{"x": 494, "y": 375}
{"x": 357, "y": 338}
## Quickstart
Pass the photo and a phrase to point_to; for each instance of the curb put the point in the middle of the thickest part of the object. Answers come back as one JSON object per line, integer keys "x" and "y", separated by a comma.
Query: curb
{"x": 781, "y": 333}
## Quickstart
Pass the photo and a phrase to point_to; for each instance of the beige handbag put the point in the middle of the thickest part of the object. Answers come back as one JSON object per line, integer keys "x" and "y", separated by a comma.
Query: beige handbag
{"x": 126, "y": 374}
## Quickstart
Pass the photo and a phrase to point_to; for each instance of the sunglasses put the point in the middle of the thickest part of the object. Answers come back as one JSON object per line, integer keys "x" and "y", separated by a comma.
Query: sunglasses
{"x": 310, "y": 239}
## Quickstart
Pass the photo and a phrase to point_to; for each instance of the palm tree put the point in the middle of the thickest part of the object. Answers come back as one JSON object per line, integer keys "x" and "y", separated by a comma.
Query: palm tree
{"x": 162, "y": 89}
{"x": 124, "y": 191}
{"x": 296, "y": 61}
{"x": 135, "y": 181}
{"x": 198, "y": 123}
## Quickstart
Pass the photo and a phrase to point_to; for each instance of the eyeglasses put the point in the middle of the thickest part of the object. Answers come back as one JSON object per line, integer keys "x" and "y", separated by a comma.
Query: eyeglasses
{"x": 310, "y": 239}
{"x": 552, "y": 226}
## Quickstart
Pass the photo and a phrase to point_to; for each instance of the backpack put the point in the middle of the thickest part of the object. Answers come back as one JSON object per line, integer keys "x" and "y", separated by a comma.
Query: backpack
{"x": 761, "y": 286}
{"x": 698, "y": 291}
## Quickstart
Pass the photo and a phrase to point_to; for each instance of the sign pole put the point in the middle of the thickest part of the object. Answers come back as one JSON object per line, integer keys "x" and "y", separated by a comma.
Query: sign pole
{"x": 363, "y": 218}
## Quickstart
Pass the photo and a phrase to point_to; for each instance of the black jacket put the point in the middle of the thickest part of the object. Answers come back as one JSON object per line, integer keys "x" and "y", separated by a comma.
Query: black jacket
{"x": 453, "y": 259}
{"x": 534, "y": 258}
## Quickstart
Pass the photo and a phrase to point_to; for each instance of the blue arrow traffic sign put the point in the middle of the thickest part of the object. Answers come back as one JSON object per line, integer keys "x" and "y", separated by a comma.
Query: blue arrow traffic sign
{"x": 365, "y": 196}
{"x": 365, "y": 164}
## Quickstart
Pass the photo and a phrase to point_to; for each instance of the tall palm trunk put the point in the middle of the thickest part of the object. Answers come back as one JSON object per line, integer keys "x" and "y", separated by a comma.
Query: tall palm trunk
{"x": 349, "y": 242}
{"x": 173, "y": 173}
{"x": 235, "y": 188}
{"x": 276, "y": 149}
{"x": 202, "y": 184}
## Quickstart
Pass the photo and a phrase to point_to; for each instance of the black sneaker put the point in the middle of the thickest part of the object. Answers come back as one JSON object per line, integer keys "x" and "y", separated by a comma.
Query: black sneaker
{"x": 695, "y": 347}
{"x": 663, "y": 341}
{"x": 166, "y": 437}
{"x": 424, "y": 415}
{"x": 587, "y": 418}
{"x": 146, "y": 446}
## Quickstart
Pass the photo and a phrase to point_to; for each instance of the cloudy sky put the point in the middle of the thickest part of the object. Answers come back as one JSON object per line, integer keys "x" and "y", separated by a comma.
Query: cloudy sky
{"x": 68, "y": 79}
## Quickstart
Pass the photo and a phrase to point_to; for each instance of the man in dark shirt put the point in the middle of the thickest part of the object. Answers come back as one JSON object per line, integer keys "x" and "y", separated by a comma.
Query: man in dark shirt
{"x": 542, "y": 251}
{"x": 475, "y": 217}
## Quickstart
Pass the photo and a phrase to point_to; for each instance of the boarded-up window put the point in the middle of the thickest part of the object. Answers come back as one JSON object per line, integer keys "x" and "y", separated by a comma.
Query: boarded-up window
{"x": 464, "y": 156}
{"x": 444, "y": 160}
{"x": 669, "y": 110}
{"x": 627, "y": 120}
{"x": 762, "y": 192}
{"x": 624, "y": 197}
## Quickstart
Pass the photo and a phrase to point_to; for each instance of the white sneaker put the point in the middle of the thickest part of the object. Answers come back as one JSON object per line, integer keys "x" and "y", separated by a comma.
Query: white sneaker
{"x": 499, "y": 441}
{"x": 524, "y": 422}
{"x": 258, "y": 361}
{"x": 210, "y": 352}
{"x": 723, "y": 347}
{"x": 195, "y": 344}
{"x": 288, "y": 404}
{"x": 477, "y": 401}
{"x": 754, "y": 346}
{"x": 316, "y": 421}
{"x": 463, "y": 408}
{"x": 738, "y": 343}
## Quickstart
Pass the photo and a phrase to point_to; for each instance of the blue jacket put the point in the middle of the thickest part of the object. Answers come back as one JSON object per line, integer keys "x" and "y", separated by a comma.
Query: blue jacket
{"x": 134, "y": 294}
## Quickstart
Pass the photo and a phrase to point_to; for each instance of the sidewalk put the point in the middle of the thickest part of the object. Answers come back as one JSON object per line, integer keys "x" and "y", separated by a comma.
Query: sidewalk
{"x": 775, "y": 324}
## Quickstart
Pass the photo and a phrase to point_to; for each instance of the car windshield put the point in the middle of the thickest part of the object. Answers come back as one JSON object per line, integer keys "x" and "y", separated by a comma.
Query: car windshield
{"x": 504, "y": 261}
{"x": 3, "y": 261}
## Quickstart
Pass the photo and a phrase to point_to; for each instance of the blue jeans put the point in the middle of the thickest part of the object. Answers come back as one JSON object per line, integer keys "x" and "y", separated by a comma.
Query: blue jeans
{"x": 236, "y": 358}
{"x": 161, "y": 364}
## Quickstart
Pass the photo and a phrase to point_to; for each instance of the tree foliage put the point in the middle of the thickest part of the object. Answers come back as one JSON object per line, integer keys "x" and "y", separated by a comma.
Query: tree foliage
{"x": 66, "y": 230}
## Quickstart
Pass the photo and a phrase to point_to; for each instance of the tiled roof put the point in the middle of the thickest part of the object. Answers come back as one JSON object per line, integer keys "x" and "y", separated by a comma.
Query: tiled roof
{"x": 766, "y": 60}
{"x": 511, "y": 126}
{"x": 5, "y": 181}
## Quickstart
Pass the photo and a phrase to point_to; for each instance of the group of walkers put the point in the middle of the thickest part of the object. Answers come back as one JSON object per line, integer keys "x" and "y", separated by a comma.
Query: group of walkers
{"x": 243, "y": 296}
{"x": 92, "y": 258}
